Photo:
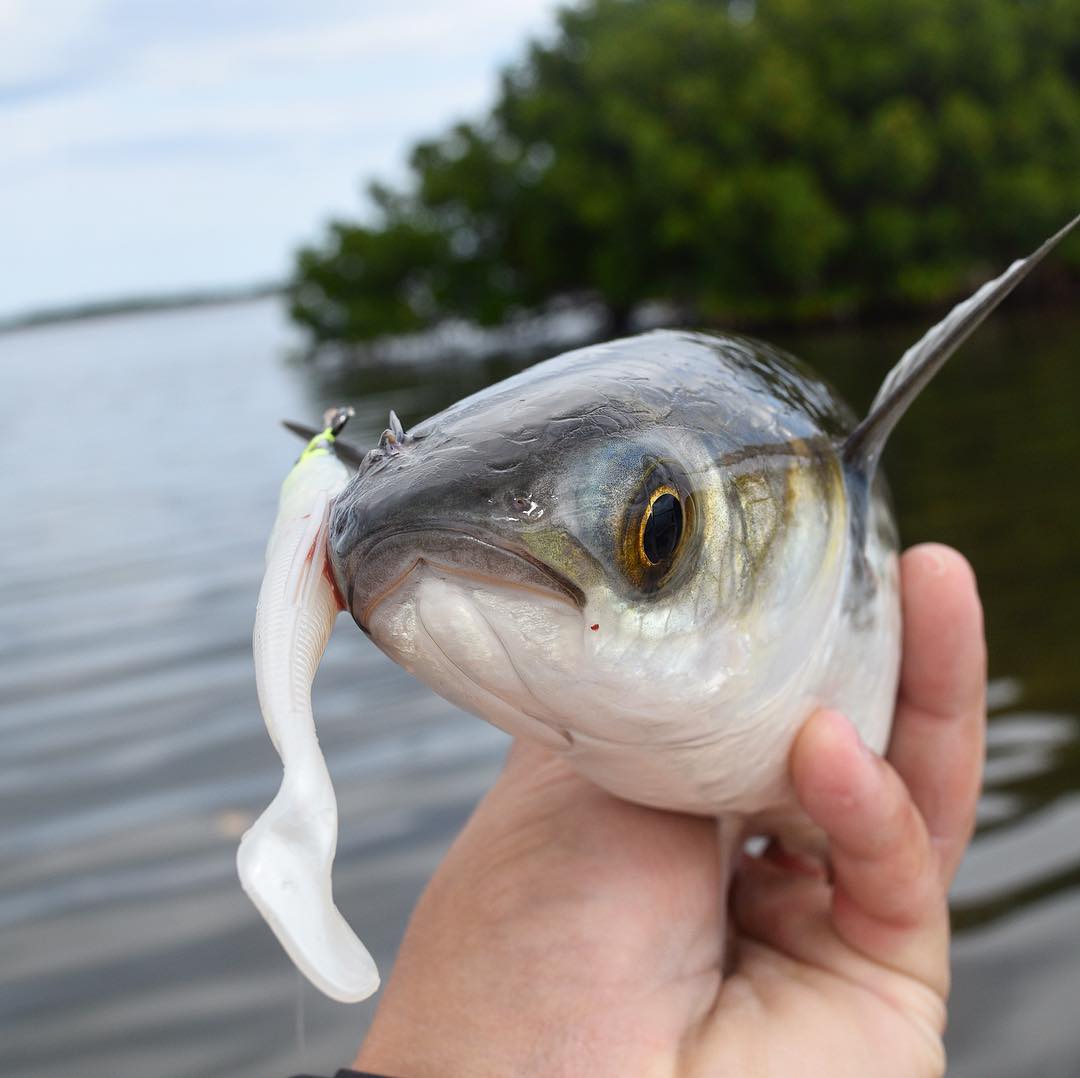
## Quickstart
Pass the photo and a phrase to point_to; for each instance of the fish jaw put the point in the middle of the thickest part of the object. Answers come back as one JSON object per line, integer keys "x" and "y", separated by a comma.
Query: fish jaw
{"x": 475, "y": 640}
{"x": 514, "y": 642}
{"x": 535, "y": 666}
{"x": 384, "y": 563}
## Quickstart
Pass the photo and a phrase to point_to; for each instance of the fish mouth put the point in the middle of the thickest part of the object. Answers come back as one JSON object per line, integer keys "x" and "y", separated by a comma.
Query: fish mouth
{"x": 375, "y": 571}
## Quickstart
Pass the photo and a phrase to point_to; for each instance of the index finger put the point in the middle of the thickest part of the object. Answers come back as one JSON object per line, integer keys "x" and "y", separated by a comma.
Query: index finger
{"x": 938, "y": 733}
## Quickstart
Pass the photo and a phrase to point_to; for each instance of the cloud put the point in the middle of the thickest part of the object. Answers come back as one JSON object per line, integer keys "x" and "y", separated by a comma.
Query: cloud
{"x": 43, "y": 49}
{"x": 136, "y": 134}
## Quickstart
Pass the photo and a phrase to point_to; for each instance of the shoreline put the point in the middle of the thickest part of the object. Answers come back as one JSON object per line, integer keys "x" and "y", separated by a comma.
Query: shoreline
{"x": 517, "y": 333}
{"x": 84, "y": 312}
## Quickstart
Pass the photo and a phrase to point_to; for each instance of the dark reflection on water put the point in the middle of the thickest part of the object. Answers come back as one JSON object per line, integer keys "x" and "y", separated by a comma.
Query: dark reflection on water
{"x": 141, "y": 459}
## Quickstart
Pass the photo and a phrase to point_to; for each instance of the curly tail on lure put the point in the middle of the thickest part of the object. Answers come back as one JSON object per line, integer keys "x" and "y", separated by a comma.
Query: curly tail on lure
{"x": 285, "y": 859}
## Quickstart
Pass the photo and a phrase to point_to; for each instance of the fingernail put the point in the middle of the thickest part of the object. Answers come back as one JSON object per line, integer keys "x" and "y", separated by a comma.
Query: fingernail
{"x": 841, "y": 727}
{"x": 935, "y": 562}
{"x": 844, "y": 728}
{"x": 865, "y": 749}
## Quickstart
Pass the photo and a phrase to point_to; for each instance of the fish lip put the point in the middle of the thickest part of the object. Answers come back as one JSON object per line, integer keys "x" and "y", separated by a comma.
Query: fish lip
{"x": 561, "y": 585}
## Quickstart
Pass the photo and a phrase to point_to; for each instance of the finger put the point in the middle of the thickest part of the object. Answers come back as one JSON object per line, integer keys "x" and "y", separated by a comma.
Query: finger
{"x": 888, "y": 902}
{"x": 937, "y": 740}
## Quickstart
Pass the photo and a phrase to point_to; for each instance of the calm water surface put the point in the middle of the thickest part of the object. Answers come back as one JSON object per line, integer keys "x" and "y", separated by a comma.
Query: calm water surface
{"x": 141, "y": 458}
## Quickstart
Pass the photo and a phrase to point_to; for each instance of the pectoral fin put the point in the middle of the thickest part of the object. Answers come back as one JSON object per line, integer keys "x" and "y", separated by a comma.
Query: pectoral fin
{"x": 923, "y": 360}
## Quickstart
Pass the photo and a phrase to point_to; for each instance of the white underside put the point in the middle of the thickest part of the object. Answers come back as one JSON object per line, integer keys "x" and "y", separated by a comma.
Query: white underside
{"x": 707, "y": 744}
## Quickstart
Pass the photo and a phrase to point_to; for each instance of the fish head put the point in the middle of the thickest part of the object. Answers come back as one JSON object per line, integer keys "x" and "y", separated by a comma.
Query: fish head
{"x": 569, "y": 554}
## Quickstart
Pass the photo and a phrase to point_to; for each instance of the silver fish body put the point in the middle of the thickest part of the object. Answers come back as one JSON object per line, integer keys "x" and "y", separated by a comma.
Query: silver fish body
{"x": 655, "y": 556}
{"x": 496, "y": 552}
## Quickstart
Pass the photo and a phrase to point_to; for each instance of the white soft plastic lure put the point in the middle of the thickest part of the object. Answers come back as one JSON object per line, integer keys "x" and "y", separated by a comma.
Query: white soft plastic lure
{"x": 654, "y": 556}
{"x": 285, "y": 859}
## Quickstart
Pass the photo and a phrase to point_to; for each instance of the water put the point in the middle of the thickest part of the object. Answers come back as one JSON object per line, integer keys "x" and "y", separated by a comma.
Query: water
{"x": 140, "y": 460}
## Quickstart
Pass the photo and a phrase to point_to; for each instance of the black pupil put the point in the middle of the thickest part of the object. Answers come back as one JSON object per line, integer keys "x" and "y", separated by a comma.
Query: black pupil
{"x": 663, "y": 529}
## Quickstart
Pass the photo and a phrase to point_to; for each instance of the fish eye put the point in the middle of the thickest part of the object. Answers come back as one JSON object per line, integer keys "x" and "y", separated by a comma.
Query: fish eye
{"x": 661, "y": 526}
{"x": 658, "y": 524}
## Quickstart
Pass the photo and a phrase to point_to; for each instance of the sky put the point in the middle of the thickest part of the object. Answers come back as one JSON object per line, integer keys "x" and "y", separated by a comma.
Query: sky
{"x": 150, "y": 146}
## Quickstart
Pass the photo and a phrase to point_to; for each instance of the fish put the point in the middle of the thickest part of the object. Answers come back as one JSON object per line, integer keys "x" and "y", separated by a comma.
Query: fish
{"x": 655, "y": 556}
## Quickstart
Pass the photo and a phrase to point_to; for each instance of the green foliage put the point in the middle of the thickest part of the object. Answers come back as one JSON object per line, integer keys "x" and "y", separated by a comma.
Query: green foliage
{"x": 796, "y": 158}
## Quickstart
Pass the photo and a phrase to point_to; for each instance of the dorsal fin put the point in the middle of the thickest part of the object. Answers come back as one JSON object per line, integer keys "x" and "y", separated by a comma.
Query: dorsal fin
{"x": 345, "y": 451}
{"x": 924, "y": 359}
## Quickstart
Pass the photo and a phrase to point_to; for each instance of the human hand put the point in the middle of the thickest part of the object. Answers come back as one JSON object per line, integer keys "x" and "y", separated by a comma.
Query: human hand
{"x": 570, "y": 933}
